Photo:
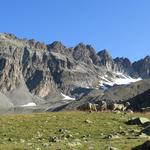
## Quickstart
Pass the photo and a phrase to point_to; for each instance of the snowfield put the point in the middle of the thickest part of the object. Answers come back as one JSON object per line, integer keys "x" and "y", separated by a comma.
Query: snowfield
{"x": 31, "y": 104}
{"x": 65, "y": 97}
{"x": 119, "y": 79}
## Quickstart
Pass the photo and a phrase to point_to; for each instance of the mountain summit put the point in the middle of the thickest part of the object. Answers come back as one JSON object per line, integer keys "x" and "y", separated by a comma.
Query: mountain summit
{"x": 39, "y": 75}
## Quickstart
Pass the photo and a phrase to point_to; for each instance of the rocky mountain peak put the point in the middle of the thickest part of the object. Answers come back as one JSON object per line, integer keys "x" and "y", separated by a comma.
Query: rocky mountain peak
{"x": 147, "y": 58}
{"x": 80, "y": 52}
{"x": 104, "y": 53}
{"x": 56, "y": 46}
{"x": 91, "y": 49}
{"x": 122, "y": 59}
{"x": 36, "y": 44}
{"x": 85, "y": 48}
{"x": 123, "y": 65}
{"x": 85, "y": 53}
{"x": 105, "y": 59}
{"x": 142, "y": 67}
{"x": 29, "y": 67}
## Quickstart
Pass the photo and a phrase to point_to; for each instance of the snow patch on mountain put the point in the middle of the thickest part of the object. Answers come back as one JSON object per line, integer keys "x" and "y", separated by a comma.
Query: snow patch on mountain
{"x": 65, "y": 97}
{"x": 31, "y": 104}
{"x": 117, "y": 79}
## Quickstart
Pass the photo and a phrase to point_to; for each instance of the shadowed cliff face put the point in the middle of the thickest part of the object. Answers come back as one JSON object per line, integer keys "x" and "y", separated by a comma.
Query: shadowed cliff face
{"x": 29, "y": 68}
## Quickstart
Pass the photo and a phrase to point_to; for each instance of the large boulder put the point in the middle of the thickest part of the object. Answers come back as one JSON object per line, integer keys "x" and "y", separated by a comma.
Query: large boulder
{"x": 138, "y": 121}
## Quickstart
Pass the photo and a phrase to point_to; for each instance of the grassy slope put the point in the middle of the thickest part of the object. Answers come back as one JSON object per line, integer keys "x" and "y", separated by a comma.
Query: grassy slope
{"x": 32, "y": 131}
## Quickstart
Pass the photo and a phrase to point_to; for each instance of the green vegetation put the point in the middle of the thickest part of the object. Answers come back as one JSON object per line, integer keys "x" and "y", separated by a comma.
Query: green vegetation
{"x": 68, "y": 131}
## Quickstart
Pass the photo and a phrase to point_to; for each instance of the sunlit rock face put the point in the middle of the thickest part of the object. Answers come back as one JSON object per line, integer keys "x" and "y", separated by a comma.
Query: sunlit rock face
{"x": 32, "y": 72}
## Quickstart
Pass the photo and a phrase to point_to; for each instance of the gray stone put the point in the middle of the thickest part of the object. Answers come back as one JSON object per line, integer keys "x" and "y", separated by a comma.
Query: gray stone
{"x": 88, "y": 121}
{"x": 143, "y": 135}
{"x": 113, "y": 148}
{"x": 45, "y": 145}
{"x": 75, "y": 144}
{"x": 138, "y": 121}
{"x": 112, "y": 136}
{"x": 69, "y": 136}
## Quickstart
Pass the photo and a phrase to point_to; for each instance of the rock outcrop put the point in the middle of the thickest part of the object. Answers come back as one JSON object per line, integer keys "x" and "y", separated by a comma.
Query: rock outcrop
{"x": 31, "y": 71}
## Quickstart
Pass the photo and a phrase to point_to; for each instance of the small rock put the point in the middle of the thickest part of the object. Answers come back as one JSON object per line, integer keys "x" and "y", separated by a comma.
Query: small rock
{"x": 113, "y": 148}
{"x": 69, "y": 136}
{"x": 77, "y": 140}
{"x": 88, "y": 121}
{"x": 112, "y": 136}
{"x": 45, "y": 144}
{"x": 29, "y": 144}
{"x": 143, "y": 135}
{"x": 90, "y": 148}
{"x": 77, "y": 134}
{"x": 65, "y": 138}
{"x": 74, "y": 144}
{"x": 39, "y": 135}
{"x": 22, "y": 140}
{"x": 101, "y": 134}
{"x": 78, "y": 144}
{"x": 123, "y": 133}
{"x": 136, "y": 130}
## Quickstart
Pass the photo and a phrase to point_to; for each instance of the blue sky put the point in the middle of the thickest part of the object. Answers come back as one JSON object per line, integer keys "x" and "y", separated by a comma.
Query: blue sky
{"x": 121, "y": 26}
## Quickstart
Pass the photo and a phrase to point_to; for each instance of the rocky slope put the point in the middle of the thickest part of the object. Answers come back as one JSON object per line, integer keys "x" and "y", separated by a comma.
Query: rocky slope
{"x": 118, "y": 94}
{"x": 32, "y": 73}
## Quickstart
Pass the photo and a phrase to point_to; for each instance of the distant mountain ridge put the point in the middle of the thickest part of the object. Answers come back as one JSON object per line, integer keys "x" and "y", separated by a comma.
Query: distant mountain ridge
{"x": 87, "y": 54}
{"x": 32, "y": 72}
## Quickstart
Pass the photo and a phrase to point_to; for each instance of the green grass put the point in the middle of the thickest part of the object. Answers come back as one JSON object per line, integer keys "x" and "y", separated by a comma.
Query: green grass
{"x": 32, "y": 131}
